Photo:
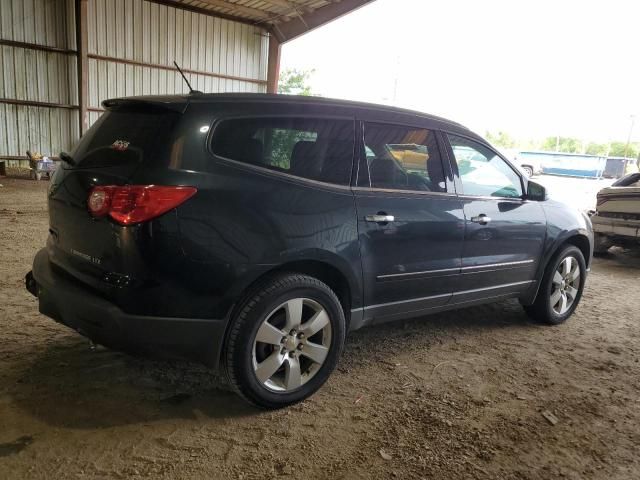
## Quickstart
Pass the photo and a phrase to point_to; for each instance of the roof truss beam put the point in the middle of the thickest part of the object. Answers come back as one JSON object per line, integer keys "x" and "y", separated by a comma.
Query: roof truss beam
{"x": 204, "y": 11}
{"x": 239, "y": 9}
{"x": 301, "y": 24}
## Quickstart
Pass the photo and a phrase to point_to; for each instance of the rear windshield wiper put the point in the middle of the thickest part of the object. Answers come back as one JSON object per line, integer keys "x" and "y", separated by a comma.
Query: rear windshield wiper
{"x": 64, "y": 156}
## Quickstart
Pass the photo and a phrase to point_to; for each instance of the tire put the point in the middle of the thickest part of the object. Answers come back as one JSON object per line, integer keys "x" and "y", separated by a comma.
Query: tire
{"x": 545, "y": 309}
{"x": 528, "y": 171}
{"x": 269, "y": 312}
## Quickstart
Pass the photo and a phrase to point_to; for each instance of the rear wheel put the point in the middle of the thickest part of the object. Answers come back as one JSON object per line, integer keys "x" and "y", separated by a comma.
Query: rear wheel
{"x": 561, "y": 287}
{"x": 528, "y": 170}
{"x": 284, "y": 341}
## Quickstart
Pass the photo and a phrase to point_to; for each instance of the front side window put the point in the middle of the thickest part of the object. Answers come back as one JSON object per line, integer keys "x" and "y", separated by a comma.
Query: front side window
{"x": 401, "y": 158}
{"x": 482, "y": 171}
{"x": 316, "y": 149}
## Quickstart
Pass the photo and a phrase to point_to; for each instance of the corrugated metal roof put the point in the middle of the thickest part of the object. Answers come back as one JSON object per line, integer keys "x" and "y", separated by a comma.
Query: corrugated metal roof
{"x": 268, "y": 12}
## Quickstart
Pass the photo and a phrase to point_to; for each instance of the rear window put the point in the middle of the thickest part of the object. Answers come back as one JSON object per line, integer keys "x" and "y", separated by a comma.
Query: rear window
{"x": 317, "y": 149}
{"x": 128, "y": 137}
{"x": 401, "y": 158}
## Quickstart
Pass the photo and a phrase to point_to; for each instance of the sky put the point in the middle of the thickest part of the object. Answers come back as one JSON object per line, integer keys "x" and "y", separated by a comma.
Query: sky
{"x": 530, "y": 68}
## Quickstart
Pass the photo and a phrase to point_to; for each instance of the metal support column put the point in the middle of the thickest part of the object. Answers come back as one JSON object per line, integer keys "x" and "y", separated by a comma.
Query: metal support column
{"x": 273, "y": 65}
{"x": 82, "y": 42}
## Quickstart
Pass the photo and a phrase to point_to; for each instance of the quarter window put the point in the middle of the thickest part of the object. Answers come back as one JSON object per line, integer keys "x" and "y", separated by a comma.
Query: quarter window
{"x": 482, "y": 171}
{"x": 401, "y": 158}
{"x": 310, "y": 148}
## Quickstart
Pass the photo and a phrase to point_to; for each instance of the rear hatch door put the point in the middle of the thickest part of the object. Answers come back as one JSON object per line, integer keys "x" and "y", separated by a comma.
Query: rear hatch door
{"x": 130, "y": 136}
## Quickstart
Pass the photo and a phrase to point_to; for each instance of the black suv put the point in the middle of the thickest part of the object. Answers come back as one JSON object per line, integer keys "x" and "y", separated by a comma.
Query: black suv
{"x": 254, "y": 231}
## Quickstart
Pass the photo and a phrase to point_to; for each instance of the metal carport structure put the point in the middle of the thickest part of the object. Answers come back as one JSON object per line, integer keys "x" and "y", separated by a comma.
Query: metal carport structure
{"x": 61, "y": 58}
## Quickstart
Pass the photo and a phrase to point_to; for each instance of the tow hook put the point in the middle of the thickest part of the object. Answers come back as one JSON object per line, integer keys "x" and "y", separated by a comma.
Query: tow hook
{"x": 31, "y": 284}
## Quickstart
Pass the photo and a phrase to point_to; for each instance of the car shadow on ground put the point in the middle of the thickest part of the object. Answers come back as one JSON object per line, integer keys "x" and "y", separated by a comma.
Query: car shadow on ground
{"x": 69, "y": 385}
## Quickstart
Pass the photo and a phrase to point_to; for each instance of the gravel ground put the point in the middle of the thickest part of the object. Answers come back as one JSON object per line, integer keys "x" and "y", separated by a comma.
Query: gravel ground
{"x": 456, "y": 395}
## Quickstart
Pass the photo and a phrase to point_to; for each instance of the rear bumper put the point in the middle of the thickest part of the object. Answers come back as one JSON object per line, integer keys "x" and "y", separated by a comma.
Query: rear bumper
{"x": 616, "y": 227}
{"x": 94, "y": 317}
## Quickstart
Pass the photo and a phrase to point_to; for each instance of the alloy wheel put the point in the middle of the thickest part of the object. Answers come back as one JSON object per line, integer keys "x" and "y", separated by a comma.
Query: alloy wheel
{"x": 565, "y": 285}
{"x": 291, "y": 344}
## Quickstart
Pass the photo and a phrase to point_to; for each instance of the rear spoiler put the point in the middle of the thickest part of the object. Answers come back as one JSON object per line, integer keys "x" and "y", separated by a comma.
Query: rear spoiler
{"x": 174, "y": 104}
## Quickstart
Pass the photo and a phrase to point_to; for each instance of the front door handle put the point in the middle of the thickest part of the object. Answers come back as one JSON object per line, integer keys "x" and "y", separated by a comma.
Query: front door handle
{"x": 482, "y": 219}
{"x": 380, "y": 218}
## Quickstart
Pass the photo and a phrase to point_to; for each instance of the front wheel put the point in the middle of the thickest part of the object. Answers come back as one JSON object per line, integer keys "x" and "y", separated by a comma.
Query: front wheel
{"x": 561, "y": 287}
{"x": 285, "y": 341}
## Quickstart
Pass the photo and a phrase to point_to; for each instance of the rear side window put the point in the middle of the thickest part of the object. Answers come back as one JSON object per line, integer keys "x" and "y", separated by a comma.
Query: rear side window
{"x": 317, "y": 149}
{"x": 401, "y": 158}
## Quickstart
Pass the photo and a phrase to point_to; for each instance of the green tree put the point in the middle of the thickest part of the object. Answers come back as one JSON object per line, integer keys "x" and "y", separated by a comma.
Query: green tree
{"x": 617, "y": 149}
{"x": 295, "y": 82}
{"x": 501, "y": 139}
{"x": 597, "y": 149}
{"x": 562, "y": 144}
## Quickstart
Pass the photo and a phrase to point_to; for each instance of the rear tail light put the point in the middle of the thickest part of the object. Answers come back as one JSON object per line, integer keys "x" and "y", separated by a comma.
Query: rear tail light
{"x": 132, "y": 204}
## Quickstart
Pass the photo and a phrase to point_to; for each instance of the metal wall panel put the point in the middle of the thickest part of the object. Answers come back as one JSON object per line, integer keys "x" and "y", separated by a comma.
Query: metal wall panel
{"x": 37, "y": 76}
{"x": 43, "y": 22}
{"x": 128, "y": 30}
{"x": 39, "y": 129}
{"x": 145, "y": 32}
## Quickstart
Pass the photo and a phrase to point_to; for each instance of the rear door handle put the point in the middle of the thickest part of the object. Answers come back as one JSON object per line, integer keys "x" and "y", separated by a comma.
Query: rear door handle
{"x": 482, "y": 219}
{"x": 380, "y": 218}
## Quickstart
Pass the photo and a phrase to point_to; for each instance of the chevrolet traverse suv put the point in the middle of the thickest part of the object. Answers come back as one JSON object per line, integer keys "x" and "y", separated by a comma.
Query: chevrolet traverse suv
{"x": 252, "y": 232}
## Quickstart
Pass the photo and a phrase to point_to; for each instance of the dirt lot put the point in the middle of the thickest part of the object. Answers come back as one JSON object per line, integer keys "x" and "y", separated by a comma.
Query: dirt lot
{"x": 457, "y": 395}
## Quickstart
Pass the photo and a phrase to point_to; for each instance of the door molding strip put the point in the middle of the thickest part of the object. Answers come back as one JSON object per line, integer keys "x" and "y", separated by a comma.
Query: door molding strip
{"x": 457, "y": 269}
{"x": 494, "y": 265}
{"x": 410, "y": 274}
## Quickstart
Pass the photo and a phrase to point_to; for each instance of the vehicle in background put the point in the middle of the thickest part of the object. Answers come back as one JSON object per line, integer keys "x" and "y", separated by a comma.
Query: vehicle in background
{"x": 616, "y": 220}
{"x": 627, "y": 180}
{"x": 566, "y": 164}
{"x": 529, "y": 165}
{"x": 571, "y": 164}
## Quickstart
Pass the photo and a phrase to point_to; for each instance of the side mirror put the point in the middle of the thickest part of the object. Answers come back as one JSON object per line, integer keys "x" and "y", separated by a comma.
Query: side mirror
{"x": 536, "y": 192}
